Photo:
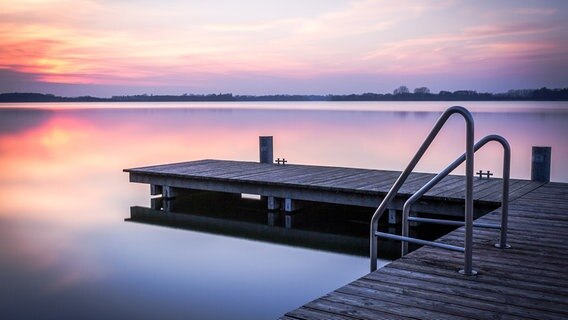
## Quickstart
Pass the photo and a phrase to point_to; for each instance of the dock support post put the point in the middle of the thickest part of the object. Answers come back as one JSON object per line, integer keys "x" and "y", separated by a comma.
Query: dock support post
{"x": 291, "y": 205}
{"x": 273, "y": 203}
{"x": 393, "y": 217}
{"x": 265, "y": 148}
{"x": 155, "y": 190}
{"x": 168, "y": 192}
{"x": 540, "y": 168}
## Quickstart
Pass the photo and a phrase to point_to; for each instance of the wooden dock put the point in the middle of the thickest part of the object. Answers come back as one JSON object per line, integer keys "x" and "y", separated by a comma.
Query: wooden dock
{"x": 286, "y": 185}
{"x": 527, "y": 281}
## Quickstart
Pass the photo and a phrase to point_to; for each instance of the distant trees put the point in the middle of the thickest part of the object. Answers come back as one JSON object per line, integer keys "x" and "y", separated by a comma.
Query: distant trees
{"x": 520, "y": 93}
{"x": 550, "y": 94}
{"x": 401, "y": 90}
{"x": 183, "y": 97}
{"x": 401, "y": 93}
{"x": 422, "y": 90}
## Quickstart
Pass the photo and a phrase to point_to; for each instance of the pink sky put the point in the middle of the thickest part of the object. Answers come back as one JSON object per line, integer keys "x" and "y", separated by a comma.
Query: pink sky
{"x": 113, "y": 47}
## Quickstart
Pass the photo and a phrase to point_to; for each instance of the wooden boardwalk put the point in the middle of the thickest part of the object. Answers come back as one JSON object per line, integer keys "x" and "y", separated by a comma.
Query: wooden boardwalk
{"x": 528, "y": 281}
{"x": 350, "y": 186}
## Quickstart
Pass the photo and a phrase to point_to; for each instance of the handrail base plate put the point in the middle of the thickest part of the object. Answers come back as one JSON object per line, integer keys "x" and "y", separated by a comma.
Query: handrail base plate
{"x": 473, "y": 273}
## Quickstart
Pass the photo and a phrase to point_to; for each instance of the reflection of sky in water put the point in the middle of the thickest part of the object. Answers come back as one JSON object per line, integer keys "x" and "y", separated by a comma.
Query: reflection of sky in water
{"x": 64, "y": 249}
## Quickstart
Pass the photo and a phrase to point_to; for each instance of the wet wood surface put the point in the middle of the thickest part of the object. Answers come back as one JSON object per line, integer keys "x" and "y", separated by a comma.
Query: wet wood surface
{"x": 527, "y": 281}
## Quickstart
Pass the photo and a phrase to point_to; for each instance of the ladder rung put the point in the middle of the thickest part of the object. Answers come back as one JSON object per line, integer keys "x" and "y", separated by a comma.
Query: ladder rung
{"x": 419, "y": 241}
{"x": 453, "y": 222}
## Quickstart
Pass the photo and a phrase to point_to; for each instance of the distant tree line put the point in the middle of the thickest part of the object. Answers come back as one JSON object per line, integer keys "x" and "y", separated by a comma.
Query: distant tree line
{"x": 40, "y": 97}
{"x": 401, "y": 93}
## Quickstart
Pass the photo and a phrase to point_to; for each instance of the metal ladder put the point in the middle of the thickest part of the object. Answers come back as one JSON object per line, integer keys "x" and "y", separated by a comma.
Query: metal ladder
{"x": 468, "y": 157}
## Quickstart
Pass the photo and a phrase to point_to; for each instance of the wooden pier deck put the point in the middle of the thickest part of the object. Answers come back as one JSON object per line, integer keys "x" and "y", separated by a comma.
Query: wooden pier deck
{"x": 527, "y": 281}
{"x": 350, "y": 186}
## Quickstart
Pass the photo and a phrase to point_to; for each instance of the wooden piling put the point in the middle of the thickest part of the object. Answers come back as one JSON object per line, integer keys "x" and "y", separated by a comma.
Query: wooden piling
{"x": 265, "y": 148}
{"x": 540, "y": 168}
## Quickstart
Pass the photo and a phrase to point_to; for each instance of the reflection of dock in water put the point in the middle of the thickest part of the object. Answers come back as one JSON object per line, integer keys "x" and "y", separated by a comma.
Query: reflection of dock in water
{"x": 331, "y": 228}
{"x": 269, "y": 231}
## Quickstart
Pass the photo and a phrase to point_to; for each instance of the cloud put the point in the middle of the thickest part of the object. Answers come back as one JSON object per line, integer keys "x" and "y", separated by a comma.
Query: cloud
{"x": 116, "y": 43}
{"x": 536, "y": 11}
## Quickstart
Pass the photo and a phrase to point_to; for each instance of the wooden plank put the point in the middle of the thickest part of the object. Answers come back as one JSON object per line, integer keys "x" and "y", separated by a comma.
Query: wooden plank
{"x": 482, "y": 291}
{"x": 477, "y": 185}
{"x": 448, "y": 184}
{"x": 493, "y": 192}
{"x": 431, "y": 307}
{"x": 355, "y": 312}
{"x": 516, "y": 254}
{"x": 398, "y": 308}
{"x": 412, "y": 185}
{"x": 448, "y": 296}
{"x": 448, "y": 271}
{"x": 514, "y": 194}
{"x": 371, "y": 184}
{"x": 383, "y": 179}
{"x": 470, "y": 307}
{"x": 375, "y": 182}
{"x": 527, "y": 242}
{"x": 505, "y": 258}
{"x": 173, "y": 167}
{"x": 488, "y": 268}
{"x": 316, "y": 177}
{"x": 305, "y": 313}
{"x": 251, "y": 172}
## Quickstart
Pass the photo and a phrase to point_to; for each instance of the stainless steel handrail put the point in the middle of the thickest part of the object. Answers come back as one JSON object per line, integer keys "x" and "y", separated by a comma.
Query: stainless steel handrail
{"x": 444, "y": 173}
{"x": 468, "y": 268}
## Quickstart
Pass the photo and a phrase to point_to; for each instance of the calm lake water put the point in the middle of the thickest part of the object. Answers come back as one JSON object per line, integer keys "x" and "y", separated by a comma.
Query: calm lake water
{"x": 66, "y": 250}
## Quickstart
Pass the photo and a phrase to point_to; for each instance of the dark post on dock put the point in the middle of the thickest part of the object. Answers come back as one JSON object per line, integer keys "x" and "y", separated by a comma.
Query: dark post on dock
{"x": 265, "y": 147}
{"x": 540, "y": 169}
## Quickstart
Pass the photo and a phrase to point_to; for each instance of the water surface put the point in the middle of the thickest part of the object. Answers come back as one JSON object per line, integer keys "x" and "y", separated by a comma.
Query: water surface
{"x": 66, "y": 251}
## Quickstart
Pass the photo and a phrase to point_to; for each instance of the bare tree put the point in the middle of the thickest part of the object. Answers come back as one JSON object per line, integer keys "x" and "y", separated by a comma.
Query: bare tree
{"x": 401, "y": 90}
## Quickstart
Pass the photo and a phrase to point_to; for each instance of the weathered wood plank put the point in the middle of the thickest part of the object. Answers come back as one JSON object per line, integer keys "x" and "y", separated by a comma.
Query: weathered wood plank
{"x": 467, "y": 306}
{"x": 314, "y": 314}
{"x": 519, "y": 192}
{"x": 447, "y": 296}
{"x": 433, "y": 308}
{"x": 509, "y": 257}
{"x": 487, "y": 268}
{"x": 449, "y": 183}
{"x": 490, "y": 280}
{"x": 355, "y": 312}
{"x": 382, "y": 180}
{"x": 396, "y": 308}
{"x": 498, "y": 294}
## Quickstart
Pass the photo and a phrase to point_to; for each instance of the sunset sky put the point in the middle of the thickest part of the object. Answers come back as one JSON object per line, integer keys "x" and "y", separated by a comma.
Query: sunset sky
{"x": 114, "y": 47}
